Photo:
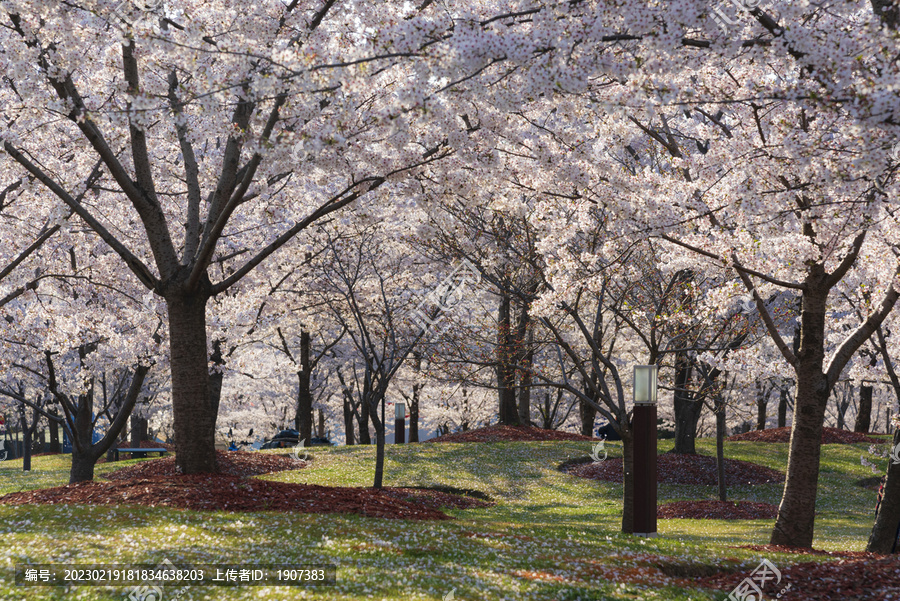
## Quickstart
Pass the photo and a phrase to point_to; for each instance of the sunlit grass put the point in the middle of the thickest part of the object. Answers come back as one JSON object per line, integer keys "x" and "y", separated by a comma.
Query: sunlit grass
{"x": 551, "y": 536}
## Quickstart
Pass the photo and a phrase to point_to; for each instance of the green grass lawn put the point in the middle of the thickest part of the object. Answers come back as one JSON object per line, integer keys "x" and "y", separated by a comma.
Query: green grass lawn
{"x": 550, "y": 537}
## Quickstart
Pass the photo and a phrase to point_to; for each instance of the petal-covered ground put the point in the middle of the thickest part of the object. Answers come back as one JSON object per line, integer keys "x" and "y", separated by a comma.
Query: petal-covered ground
{"x": 829, "y": 436}
{"x": 500, "y": 433}
{"x": 854, "y": 577}
{"x": 155, "y": 483}
{"x": 672, "y": 468}
{"x": 716, "y": 510}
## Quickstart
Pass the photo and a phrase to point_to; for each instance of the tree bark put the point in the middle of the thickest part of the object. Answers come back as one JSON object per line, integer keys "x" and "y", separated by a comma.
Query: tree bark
{"x": 348, "y": 422}
{"x": 303, "y": 419}
{"x": 525, "y": 359}
{"x": 54, "y": 434}
{"x": 883, "y": 538}
{"x": 795, "y": 523}
{"x": 782, "y": 407}
{"x": 762, "y": 402}
{"x": 414, "y": 414}
{"x": 320, "y": 431}
{"x": 587, "y": 414}
{"x": 195, "y": 416}
{"x": 364, "y": 435}
{"x": 864, "y": 415}
{"x": 687, "y": 411}
{"x": 720, "y": 448}
{"x": 506, "y": 383}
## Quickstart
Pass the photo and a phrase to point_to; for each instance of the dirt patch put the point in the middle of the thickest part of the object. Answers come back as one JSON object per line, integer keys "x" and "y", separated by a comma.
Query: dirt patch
{"x": 861, "y": 577}
{"x": 674, "y": 468}
{"x": 717, "y": 510}
{"x": 155, "y": 483}
{"x": 508, "y": 433}
{"x": 231, "y": 463}
{"x": 829, "y": 436}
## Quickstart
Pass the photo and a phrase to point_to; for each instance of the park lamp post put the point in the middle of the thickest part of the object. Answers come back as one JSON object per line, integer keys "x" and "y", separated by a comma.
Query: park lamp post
{"x": 399, "y": 423}
{"x": 644, "y": 423}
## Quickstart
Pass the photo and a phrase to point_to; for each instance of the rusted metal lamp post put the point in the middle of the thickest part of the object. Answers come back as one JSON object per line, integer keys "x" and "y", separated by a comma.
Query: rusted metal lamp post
{"x": 399, "y": 423}
{"x": 644, "y": 422}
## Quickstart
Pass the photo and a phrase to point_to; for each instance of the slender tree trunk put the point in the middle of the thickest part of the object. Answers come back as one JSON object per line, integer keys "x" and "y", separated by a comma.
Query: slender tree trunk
{"x": 525, "y": 359}
{"x": 795, "y": 523}
{"x": 687, "y": 411}
{"x": 364, "y": 436}
{"x": 762, "y": 402}
{"x": 320, "y": 431}
{"x": 782, "y": 407}
{"x": 864, "y": 415}
{"x": 195, "y": 416}
{"x": 348, "y": 421}
{"x": 54, "y": 434}
{"x": 627, "y": 481}
{"x": 720, "y": 447}
{"x": 304, "y": 417}
{"x": 587, "y": 415}
{"x": 506, "y": 382}
{"x": 843, "y": 402}
{"x": 883, "y": 538}
{"x": 379, "y": 442}
{"x": 26, "y": 434}
{"x": 414, "y": 414}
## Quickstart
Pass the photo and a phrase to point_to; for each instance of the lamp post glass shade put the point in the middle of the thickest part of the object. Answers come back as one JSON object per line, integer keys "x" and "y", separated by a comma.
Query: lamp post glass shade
{"x": 399, "y": 411}
{"x": 645, "y": 384}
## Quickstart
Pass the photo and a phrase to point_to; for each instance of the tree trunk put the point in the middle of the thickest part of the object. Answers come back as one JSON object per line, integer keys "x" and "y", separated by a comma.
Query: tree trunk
{"x": 303, "y": 420}
{"x": 842, "y": 404}
{"x": 217, "y": 377}
{"x": 864, "y": 415}
{"x": 525, "y": 356}
{"x": 139, "y": 430}
{"x": 26, "y": 433}
{"x": 379, "y": 443}
{"x": 348, "y": 422}
{"x": 587, "y": 414}
{"x": 720, "y": 448}
{"x": 54, "y": 435}
{"x": 364, "y": 436}
{"x": 883, "y": 538}
{"x": 320, "y": 431}
{"x": 687, "y": 410}
{"x": 195, "y": 416}
{"x": 414, "y": 414}
{"x": 83, "y": 455}
{"x": 795, "y": 523}
{"x": 762, "y": 402}
{"x": 627, "y": 481}
{"x": 782, "y": 407}
{"x": 506, "y": 381}
{"x": 82, "y": 469}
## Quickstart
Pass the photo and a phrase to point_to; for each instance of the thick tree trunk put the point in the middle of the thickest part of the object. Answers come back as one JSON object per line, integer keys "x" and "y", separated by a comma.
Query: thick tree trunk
{"x": 687, "y": 411}
{"x": 864, "y": 415}
{"x": 217, "y": 377}
{"x": 139, "y": 430}
{"x": 627, "y": 481}
{"x": 795, "y": 523}
{"x": 506, "y": 380}
{"x": 195, "y": 417}
{"x": 883, "y": 538}
{"x": 82, "y": 469}
{"x": 304, "y": 416}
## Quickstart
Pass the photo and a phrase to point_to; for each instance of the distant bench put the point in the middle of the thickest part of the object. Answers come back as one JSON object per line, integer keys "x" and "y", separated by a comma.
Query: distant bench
{"x": 139, "y": 453}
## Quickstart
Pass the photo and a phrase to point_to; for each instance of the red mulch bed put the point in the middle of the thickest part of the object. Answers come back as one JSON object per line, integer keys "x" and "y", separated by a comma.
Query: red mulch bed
{"x": 231, "y": 463}
{"x": 506, "y": 433}
{"x": 829, "y": 436}
{"x": 855, "y": 577}
{"x": 716, "y": 510}
{"x": 672, "y": 468}
{"x": 155, "y": 483}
